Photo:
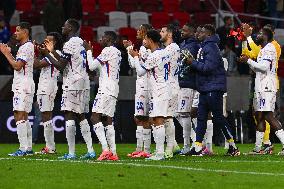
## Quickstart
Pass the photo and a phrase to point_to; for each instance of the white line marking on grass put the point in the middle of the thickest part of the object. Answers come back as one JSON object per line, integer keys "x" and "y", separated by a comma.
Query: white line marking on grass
{"x": 151, "y": 165}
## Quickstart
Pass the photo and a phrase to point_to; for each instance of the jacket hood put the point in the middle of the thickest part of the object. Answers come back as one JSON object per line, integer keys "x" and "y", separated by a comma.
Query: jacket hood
{"x": 212, "y": 39}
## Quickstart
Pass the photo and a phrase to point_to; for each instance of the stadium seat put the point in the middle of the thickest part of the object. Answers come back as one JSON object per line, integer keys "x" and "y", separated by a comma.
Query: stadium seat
{"x": 102, "y": 29}
{"x": 138, "y": 18}
{"x": 149, "y": 5}
{"x": 160, "y": 19}
{"x": 31, "y": 16}
{"x": 38, "y": 33}
{"x": 88, "y": 6}
{"x": 107, "y": 5}
{"x": 128, "y": 5}
{"x": 23, "y": 5}
{"x": 87, "y": 33}
{"x": 190, "y": 6}
{"x": 201, "y": 18}
{"x": 170, "y": 5}
{"x": 95, "y": 19}
{"x": 97, "y": 49}
{"x": 181, "y": 17}
{"x": 131, "y": 33}
{"x": 117, "y": 19}
{"x": 40, "y": 4}
{"x": 237, "y": 5}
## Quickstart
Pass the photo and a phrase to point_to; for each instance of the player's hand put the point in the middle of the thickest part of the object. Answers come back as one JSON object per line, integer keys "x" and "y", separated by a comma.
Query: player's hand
{"x": 189, "y": 60}
{"x": 247, "y": 30}
{"x": 49, "y": 45}
{"x": 43, "y": 50}
{"x": 126, "y": 43}
{"x": 88, "y": 46}
{"x": 133, "y": 52}
{"x": 243, "y": 59}
{"x": 5, "y": 49}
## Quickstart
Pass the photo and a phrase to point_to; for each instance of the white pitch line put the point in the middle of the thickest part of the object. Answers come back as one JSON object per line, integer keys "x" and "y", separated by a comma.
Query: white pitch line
{"x": 151, "y": 165}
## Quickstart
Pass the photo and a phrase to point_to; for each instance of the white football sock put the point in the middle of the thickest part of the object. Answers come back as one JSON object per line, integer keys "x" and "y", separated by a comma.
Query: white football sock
{"x": 100, "y": 132}
{"x": 70, "y": 135}
{"x": 280, "y": 135}
{"x": 160, "y": 139}
{"x": 154, "y": 133}
{"x": 186, "y": 127}
{"x": 170, "y": 134}
{"x": 139, "y": 137}
{"x": 209, "y": 135}
{"x": 86, "y": 133}
{"x": 110, "y": 135}
{"x": 49, "y": 134}
{"x": 193, "y": 133}
{"x": 22, "y": 134}
{"x": 258, "y": 139}
{"x": 147, "y": 140}
{"x": 29, "y": 136}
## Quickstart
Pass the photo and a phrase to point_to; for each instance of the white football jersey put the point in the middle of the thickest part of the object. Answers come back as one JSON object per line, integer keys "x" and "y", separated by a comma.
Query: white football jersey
{"x": 110, "y": 59}
{"x": 173, "y": 51}
{"x": 142, "y": 82}
{"x": 23, "y": 79}
{"x": 265, "y": 79}
{"x": 75, "y": 76}
{"x": 48, "y": 78}
{"x": 157, "y": 67}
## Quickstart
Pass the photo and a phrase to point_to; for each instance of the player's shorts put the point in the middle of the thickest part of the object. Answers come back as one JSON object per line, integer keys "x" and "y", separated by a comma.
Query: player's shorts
{"x": 104, "y": 104}
{"x": 264, "y": 101}
{"x": 195, "y": 100}
{"x": 76, "y": 101}
{"x": 185, "y": 98}
{"x": 142, "y": 103}
{"x": 173, "y": 103}
{"x": 45, "y": 102}
{"x": 158, "y": 107}
{"x": 22, "y": 102}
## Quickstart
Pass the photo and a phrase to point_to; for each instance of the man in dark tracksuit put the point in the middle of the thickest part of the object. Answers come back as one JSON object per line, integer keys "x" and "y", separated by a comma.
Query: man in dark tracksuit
{"x": 211, "y": 84}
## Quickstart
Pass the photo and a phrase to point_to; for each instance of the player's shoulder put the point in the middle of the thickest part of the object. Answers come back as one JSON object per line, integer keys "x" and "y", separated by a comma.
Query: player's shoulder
{"x": 74, "y": 41}
{"x": 173, "y": 46}
{"x": 27, "y": 45}
{"x": 269, "y": 48}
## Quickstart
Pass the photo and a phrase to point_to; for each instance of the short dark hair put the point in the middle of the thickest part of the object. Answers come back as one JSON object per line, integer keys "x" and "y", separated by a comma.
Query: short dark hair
{"x": 27, "y": 26}
{"x": 270, "y": 26}
{"x": 58, "y": 38}
{"x": 175, "y": 32}
{"x": 112, "y": 35}
{"x": 191, "y": 26}
{"x": 74, "y": 24}
{"x": 154, "y": 35}
{"x": 147, "y": 27}
{"x": 226, "y": 18}
{"x": 268, "y": 32}
{"x": 210, "y": 28}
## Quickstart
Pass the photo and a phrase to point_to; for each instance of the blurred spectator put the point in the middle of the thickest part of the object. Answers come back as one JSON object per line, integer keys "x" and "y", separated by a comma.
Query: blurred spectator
{"x": 4, "y": 31}
{"x": 124, "y": 64}
{"x": 73, "y": 9}
{"x": 280, "y": 12}
{"x": 8, "y": 6}
{"x": 53, "y": 16}
{"x": 224, "y": 31}
{"x": 231, "y": 56}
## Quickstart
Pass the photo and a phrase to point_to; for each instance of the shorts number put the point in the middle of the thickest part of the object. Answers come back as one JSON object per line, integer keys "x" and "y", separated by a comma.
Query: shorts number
{"x": 140, "y": 106}
{"x": 95, "y": 102}
{"x": 261, "y": 102}
{"x": 182, "y": 104}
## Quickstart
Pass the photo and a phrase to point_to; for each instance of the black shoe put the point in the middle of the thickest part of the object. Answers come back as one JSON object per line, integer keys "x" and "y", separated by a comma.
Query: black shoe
{"x": 192, "y": 152}
{"x": 233, "y": 151}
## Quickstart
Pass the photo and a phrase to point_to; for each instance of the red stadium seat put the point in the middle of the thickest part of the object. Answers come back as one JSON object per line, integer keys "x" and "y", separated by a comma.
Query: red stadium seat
{"x": 160, "y": 19}
{"x": 181, "y": 17}
{"x": 24, "y": 5}
{"x": 31, "y": 16}
{"x": 131, "y": 33}
{"x": 170, "y": 5}
{"x": 190, "y": 6}
{"x": 88, "y": 6}
{"x": 149, "y": 5}
{"x": 237, "y": 5}
{"x": 87, "y": 33}
{"x": 202, "y": 18}
{"x": 95, "y": 19}
{"x": 40, "y": 4}
{"x": 97, "y": 49}
{"x": 107, "y": 5}
{"x": 128, "y": 5}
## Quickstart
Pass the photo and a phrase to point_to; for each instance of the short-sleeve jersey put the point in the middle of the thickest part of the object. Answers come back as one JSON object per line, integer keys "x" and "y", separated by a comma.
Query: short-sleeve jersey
{"x": 110, "y": 59}
{"x": 23, "y": 79}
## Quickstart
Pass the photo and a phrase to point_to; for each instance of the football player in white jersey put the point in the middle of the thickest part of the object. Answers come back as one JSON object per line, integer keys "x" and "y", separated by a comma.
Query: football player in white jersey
{"x": 155, "y": 66}
{"x": 143, "y": 131}
{"x": 76, "y": 86}
{"x": 47, "y": 89}
{"x": 108, "y": 66}
{"x": 265, "y": 88}
{"x": 170, "y": 36}
{"x": 23, "y": 86}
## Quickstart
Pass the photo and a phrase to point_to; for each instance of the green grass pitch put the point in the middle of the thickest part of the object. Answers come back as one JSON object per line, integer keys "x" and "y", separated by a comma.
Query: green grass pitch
{"x": 218, "y": 171}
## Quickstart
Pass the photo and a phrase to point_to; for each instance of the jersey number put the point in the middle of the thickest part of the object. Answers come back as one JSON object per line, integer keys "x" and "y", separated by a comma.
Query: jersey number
{"x": 84, "y": 55}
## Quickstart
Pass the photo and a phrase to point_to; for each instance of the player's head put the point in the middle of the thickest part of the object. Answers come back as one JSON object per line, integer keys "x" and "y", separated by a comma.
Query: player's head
{"x": 142, "y": 30}
{"x": 23, "y": 31}
{"x": 264, "y": 36}
{"x": 71, "y": 26}
{"x": 271, "y": 27}
{"x": 152, "y": 38}
{"x": 57, "y": 40}
{"x": 108, "y": 39}
{"x": 170, "y": 32}
{"x": 188, "y": 30}
{"x": 228, "y": 21}
{"x": 198, "y": 30}
{"x": 207, "y": 31}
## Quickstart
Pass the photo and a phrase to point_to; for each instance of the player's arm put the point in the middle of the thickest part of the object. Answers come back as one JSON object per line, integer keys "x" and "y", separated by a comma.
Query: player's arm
{"x": 262, "y": 66}
{"x": 255, "y": 49}
{"x": 140, "y": 69}
{"x": 38, "y": 64}
{"x": 93, "y": 63}
{"x": 16, "y": 64}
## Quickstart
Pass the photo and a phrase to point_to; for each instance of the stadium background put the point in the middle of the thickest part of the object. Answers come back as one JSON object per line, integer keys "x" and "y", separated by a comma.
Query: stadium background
{"x": 97, "y": 16}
